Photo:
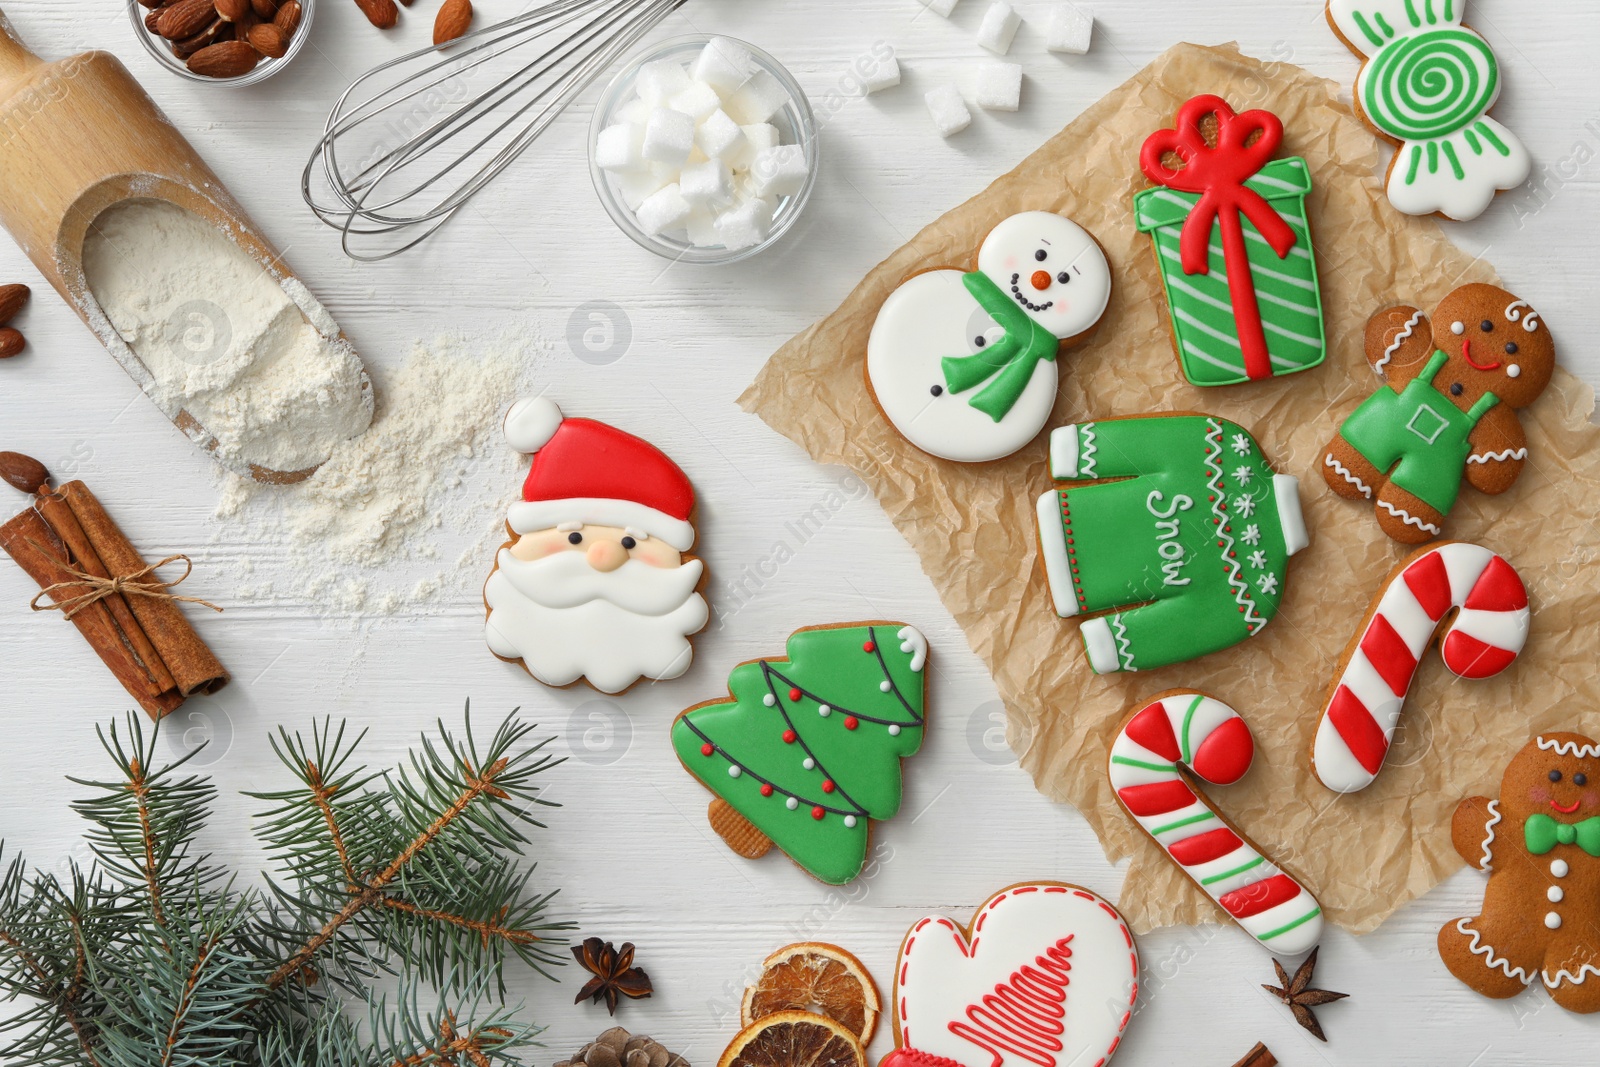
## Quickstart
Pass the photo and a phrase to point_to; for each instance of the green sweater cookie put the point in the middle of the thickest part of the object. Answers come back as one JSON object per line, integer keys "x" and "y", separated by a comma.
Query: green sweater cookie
{"x": 1197, "y": 533}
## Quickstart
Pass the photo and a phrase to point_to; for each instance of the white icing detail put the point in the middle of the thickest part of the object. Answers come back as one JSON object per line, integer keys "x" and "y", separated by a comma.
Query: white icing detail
{"x": 1241, "y": 589}
{"x": 531, "y": 422}
{"x": 912, "y": 641}
{"x": 822, "y": 709}
{"x": 636, "y": 534}
{"x": 1554, "y": 894}
{"x": 1100, "y": 646}
{"x": 885, "y": 685}
{"x": 1124, "y": 650}
{"x": 1399, "y": 339}
{"x": 568, "y": 527}
{"x": 1514, "y": 311}
{"x": 1490, "y": 960}
{"x": 933, "y": 315}
{"x": 1559, "y": 868}
{"x": 1193, "y": 719}
{"x": 1565, "y": 975}
{"x": 1397, "y": 605}
{"x": 768, "y": 699}
{"x": 1409, "y": 519}
{"x": 943, "y": 973}
{"x": 1552, "y": 921}
{"x": 1344, "y": 472}
{"x": 849, "y": 822}
{"x": 1568, "y": 748}
{"x": 567, "y": 621}
{"x": 1513, "y": 370}
{"x": 1086, "y": 459}
{"x": 1503, "y": 454}
{"x": 734, "y": 770}
{"x": 1064, "y": 451}
{"x": 1286, "y": 489}
{"x": 1458, "y": 328}
{"x": 894, "y": 729}
{"x": 527, "y": 516}
{"x": 809, "y": 764}
{"x": 1053, "y": 548}
{"x": 1486, "y": 863}
{"x": 792, "y": 803}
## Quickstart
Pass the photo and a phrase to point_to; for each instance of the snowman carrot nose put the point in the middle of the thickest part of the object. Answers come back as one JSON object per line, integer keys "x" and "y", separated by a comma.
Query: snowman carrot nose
{"x": 1040, "y": 279}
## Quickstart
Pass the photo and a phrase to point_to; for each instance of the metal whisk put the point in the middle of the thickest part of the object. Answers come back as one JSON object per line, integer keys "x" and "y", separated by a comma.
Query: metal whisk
{"x": 434, "y": 127}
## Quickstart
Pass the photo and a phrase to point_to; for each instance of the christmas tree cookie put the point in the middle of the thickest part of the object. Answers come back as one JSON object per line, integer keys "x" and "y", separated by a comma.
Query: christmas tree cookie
{"x": 1190, "y": 545}
{"x": 808, "y": 748}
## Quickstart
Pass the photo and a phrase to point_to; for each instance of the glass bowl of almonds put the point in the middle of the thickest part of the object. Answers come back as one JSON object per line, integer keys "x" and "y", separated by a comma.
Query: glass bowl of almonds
{"x": 226, "y": 42}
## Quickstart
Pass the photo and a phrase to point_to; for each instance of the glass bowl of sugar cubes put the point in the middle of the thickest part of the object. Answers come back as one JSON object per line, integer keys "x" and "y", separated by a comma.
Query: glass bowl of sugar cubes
{"x": 703, "y": 149}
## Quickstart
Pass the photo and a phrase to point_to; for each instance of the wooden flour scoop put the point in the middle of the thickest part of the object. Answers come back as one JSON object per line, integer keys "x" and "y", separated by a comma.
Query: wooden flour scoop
{"x": 78, "y": 136}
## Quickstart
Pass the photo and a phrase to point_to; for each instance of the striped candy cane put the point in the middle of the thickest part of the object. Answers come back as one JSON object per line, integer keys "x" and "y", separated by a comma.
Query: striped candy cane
{"x": 1485, "y": 635}
{"x": 1213, "y": 742}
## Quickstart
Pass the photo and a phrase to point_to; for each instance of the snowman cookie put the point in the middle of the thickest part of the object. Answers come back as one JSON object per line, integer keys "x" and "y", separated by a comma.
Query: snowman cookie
{"x": 963, "y": 363}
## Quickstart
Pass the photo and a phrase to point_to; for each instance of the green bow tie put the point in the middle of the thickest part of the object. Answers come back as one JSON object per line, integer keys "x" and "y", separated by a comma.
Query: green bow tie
{"x": 1543, "y": 834}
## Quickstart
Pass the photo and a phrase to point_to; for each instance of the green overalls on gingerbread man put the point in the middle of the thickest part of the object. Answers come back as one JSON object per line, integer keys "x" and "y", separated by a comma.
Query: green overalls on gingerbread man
{"x": 1191, "y": 544}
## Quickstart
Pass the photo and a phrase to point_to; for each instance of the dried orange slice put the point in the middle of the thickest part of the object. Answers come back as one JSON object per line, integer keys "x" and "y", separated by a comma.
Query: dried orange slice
{"x": 815, "y": 977}
{"x": 794, "y": 1039}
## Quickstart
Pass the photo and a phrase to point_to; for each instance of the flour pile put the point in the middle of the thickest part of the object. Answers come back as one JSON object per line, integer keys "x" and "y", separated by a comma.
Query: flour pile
{"x": 386, "y": 524}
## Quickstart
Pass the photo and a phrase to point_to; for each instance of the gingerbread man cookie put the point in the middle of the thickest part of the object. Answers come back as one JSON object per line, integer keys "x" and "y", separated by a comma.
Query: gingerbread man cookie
{"x": 1540, "y": 842}
{"x": 1448, "y": 409}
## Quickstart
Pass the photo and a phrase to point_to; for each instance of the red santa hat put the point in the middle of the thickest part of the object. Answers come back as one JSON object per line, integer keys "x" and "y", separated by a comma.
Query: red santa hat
{"x": 587, "y": 472}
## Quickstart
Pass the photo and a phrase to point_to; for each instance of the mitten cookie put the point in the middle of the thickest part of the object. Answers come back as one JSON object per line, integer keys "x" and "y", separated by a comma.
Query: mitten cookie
{"x": 1197, "y": 533}
{"x": 1447, "y": 411}
{"x": 1427, "y": 85}
{"x": 1540, "y": 842}
{"x": 964, "y": 363}
{"x": 595, "y": 583}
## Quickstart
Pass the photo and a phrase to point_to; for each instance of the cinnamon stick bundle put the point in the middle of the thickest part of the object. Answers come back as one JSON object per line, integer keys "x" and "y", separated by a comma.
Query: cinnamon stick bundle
{"x": 68, "y": 543}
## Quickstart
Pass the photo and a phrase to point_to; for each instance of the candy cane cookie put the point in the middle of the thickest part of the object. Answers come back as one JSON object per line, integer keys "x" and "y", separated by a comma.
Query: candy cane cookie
{"x": 1182, "y": 729}
{"x": 1465, "y": 593}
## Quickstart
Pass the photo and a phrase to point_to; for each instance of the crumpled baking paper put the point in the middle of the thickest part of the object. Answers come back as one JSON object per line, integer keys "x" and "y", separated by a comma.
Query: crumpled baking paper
{"x": 1366, "y": 854}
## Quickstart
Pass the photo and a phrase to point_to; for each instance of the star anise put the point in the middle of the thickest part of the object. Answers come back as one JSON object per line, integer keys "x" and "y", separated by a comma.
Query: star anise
{"x": 1300, "y": 998}
{"x": 614, "y": 973}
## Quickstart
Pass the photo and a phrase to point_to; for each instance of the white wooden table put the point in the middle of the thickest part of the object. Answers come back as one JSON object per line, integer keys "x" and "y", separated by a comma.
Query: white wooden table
{"x": 630, "y": 848}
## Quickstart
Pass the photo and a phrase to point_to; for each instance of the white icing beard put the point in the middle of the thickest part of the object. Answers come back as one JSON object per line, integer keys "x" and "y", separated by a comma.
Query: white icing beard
{"x": 565, "y": 620}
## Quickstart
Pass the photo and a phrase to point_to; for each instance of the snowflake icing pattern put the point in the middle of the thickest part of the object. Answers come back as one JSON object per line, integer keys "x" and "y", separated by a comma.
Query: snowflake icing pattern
{"x": 1242, "y": 474}
{"x": 1257, "y": 559}
{"x": 1241, "y": 444}
{"x": 1244, "y": 505}
{"x": 1268, "y": 583}
{"x": 1251, "y": 535}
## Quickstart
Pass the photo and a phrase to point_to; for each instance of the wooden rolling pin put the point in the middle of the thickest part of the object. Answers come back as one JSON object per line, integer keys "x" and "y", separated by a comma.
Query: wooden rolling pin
{"x": 78, "y": 136}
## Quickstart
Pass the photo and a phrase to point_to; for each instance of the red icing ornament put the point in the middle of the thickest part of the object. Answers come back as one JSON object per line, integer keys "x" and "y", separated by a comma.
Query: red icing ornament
{"x": 766, "y": 789}
{"x": 790, "y": 737}
{"x": 794, "y": 695}
{"x": 707, "y": 748}
{"x": 851, "y": 722}
{"x": 869, "y": 647}
{"x": 817, "y": 813}
{"x": 828, "y": 786}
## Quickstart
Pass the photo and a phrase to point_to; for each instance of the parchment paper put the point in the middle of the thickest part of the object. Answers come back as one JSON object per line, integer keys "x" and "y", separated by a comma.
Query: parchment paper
{"x": 1366, "y": 854}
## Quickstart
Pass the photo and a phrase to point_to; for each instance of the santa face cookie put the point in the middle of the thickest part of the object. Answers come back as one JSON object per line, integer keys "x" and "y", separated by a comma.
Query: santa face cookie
{"x": 1447, "y": 410}
{"x": 595, "y": 585}
{"x": 1045, "y": 976}
{"x": 1540, "y": 842}
{"x": 1427, "y": 84}
{"x": 964, "y": 363}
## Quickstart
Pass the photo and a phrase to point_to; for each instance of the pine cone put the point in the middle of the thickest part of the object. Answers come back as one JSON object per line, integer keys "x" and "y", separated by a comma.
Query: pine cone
{"x": 618, "y": 1048}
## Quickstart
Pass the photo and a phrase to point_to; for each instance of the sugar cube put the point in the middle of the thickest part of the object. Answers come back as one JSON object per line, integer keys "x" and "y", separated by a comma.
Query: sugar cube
{"x": 662, "y": 210}
{"x": 659, "y": 80}
{"x": 636, "y": 186}
{"x": 998, "y": 86}
{"x": 698, "y": 100}
{"x": 949, "y": 111}
{"x": 620, "y": 147}
{"x": 708, "y": 183}
{"x": 701, "y": 227}
{"x": 757, "y": 100}
{"x": 998, "y": 27}
{"x": 880, "y": 72}
{"x": 719, "y": 137}
{"x": 760, "y": 135}
{"x": 636, "y": 111}
{"x": 724, "y": 64}
{"x": 745, "y": 224}
{"x": 668, "y": 137}
{"x": 779, "y": 171}
{"x": 1069, "y": 29}
{"x": 941, "y": 7}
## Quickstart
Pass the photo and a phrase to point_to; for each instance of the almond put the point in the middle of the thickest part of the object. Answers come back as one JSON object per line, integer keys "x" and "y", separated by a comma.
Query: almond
{"x": 185, "y": 19}
{"x": 268, "y": 40}
{"x": 12, "y": 297}
{"x": 225, "y": 59}
{"x": 217, "y": 31}
{"x": 150, "y": 20}
{"x": 23, "y": 473}
{"x": 11, "y": 342}
{"x": 232, "y": 10}
{"x": 381, "y": 13}
{"x": 452, "y": 21}
{"x": 288, "y": 18}
{"x": 265, "y": 9}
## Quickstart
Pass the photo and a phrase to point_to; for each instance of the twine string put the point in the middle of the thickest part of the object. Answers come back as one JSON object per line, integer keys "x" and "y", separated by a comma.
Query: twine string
{"x": 139, "y": 583}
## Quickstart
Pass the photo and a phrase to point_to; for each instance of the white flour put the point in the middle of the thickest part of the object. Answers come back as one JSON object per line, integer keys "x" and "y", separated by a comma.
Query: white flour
{"x": 408, "y": 513}
{"x": 260, "y": 366}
